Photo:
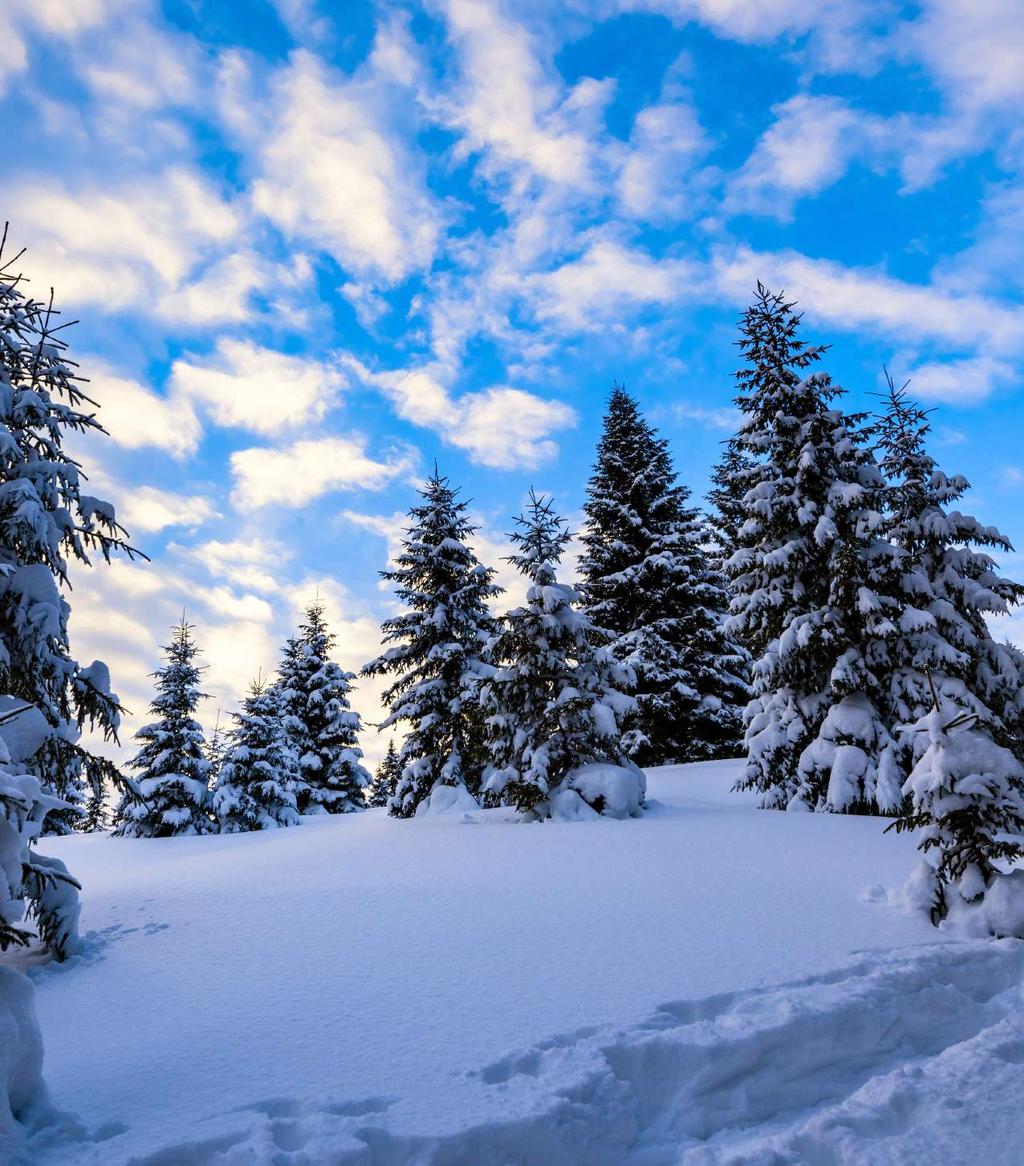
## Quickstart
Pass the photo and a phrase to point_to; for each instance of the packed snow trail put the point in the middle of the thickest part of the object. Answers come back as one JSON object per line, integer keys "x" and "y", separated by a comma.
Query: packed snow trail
{"x": 354, "y": 990}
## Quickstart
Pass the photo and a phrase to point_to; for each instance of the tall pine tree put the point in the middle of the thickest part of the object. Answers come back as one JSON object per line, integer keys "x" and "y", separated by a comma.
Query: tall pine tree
{"x": 255, "y": 788}
{"x": 173, "y": 772}
{"x": 312, "y": 694}
{"x": 649, "y": 580}
{"x": 813, "y": 581}
{"x": 553, "y": 703}
{"x": 46, "y": 524}
{"x": 437, "y": 649}
{"x": 950, "y": 586}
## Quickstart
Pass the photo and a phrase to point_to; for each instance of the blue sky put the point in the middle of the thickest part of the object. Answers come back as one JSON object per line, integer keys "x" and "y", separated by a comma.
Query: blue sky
{"x": 314, "y": 246}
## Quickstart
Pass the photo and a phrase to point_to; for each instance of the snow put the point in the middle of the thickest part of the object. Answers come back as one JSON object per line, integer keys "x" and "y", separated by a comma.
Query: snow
{"x": 706, "y": 984}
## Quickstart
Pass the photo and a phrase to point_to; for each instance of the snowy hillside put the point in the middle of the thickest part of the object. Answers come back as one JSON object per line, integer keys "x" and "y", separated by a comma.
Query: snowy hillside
{"x": 367, "y": 990}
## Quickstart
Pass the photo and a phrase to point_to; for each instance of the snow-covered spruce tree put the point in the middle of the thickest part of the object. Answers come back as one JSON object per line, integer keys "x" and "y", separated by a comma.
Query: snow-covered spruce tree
{"x": 217, "y": 745}
{"x": 173, "y": 772}
{"x": 438, "y": 648}
{"x": 312, "y": 693}
{"x": 728, "y": 487}
{"x": 812, "y": 579}
{"x": 967, "y": 800}
{"x": 554, "y": 701}
{"x": 950, "y": 585}
{"x": 255, "y": 789}
{"x": 385, "y": 780}
{"x": 648, "y": 579}
{"x": 46, "y": 522}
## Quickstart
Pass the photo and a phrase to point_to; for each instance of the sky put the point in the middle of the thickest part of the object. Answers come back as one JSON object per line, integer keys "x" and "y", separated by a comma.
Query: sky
{"x": 314, "y": 247}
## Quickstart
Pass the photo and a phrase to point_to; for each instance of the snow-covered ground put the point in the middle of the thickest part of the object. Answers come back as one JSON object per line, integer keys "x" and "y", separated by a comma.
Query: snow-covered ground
{"x": 706, "y": 984}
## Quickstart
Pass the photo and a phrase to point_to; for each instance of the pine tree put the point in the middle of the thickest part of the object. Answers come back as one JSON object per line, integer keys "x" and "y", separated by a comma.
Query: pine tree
{"x": 385, "y": 780}
{"x": 950, "y": 584}
{"x": 648, "y": 579}
{"x": 728, "y": 487}
{"x": 438, "y": 648}
{"x": 172, "y": 766}
{"x": 216, "y": 749}
{"x": 47, "y": 522}
{"x": 312, "y": 692}
{"x": 97, "y": 813}
{"x": 552, "y": 704}
{"x": 813, "y": 581}
{"x": 255, "y": 789}
{"x": 967, "y": 801}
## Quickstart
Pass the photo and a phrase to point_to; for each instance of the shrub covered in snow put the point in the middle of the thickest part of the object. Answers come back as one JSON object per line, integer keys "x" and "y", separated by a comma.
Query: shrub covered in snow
{"x": 967, "y": 801}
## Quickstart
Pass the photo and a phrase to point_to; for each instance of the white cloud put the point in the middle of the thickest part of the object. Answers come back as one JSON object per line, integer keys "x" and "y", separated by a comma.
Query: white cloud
{"x": 246, "y": 386}
{"x": 136, "y": 417}
{"x": 129, "y": 245}
{"x": 299, "y": 473}
{"x": 49, "y": 19}
{"x": 725, "y": 418}
{"x": 664, "y": 147}
{"x": 855, "y": 299}
{"x": 606, "y": 285}
{"x": 511, "y": 107}
{"x": 329, "y": 168}
{"x": 498, "y": 426}
{"x": 145, "y": 509}
{"x": 257, "y": 563}
{"x": 806, "y": 148}
{"x": 958, "y": 382}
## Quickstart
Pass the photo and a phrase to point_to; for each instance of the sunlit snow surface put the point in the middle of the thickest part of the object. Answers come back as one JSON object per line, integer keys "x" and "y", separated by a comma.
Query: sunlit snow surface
{"x": 705, "y": 984}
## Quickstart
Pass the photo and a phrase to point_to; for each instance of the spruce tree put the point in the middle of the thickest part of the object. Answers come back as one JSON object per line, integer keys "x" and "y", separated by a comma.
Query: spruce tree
{"x": 47, "y": 523}
{"x": 255, "y": 789}
{"x": 728, "y": 488}
{"x": 173, "y": 772}
{"x": 217, "y": 745}
{"x": 385, "y": 780}
{"x": 437, "y": 649}
{"x": 312, "y": 693}
{"x": 812, "y": 578}
{"x": 552, "y": 703}
{"x": 950, "y": 585}
{"x": 648, "y": 579}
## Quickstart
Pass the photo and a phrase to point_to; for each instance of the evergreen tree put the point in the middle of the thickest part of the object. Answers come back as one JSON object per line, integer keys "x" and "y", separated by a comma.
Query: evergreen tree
{"x": 813, "y": 581}
{"x": 648, "y": 579}
{"x": 255, "y": 789}
{"x": 950, "y": 585}
{"x": 967, "y": 801}
{"x": 552, "y": 704}
{"x": 216, "y": 749}
{"x": 437, "y": 650}
{"x": 728, "y": 487}
{"x": 172, "y": 766}
{"x": 312, "y": 694}
{"x": 385, "y": 780}
{"x": 97, "y": 813}
{"x": 46, "y": 523}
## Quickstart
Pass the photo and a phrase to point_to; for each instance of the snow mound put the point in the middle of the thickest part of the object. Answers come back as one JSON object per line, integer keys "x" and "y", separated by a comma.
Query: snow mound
{"x": 614, "y": 791}
{"x": 22, "y": 1091}
{"x": 447, "y": 799}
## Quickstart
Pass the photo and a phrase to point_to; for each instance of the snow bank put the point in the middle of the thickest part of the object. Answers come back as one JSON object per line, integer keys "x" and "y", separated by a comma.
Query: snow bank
{"x": 22, "y": 1092}
{"x": 614, "y": 791}
{"x": 447, "y": 799}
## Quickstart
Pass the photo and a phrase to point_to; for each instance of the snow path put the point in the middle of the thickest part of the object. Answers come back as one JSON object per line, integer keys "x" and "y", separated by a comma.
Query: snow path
{"x": 349, "y": 992}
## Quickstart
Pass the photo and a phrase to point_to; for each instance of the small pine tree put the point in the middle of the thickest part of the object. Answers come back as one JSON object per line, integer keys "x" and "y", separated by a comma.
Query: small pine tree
{"x": 437, "y": 649}
{"x": 173, "y": 772}
{"x": 97, "y": 813}
{"x": 552, "y": 704}
{"x": 648, "y": 579}
{"x": 813, "y": 581}
{"x": 216, "y": 750}
{"x": 729, "y": 485}
{"x": 47, "y": 522}
{"x": 255, "y": 789}
{"x": 385, "y": 780}
{"x": 313, "y": 692}
{"x": 967, "y": 800}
